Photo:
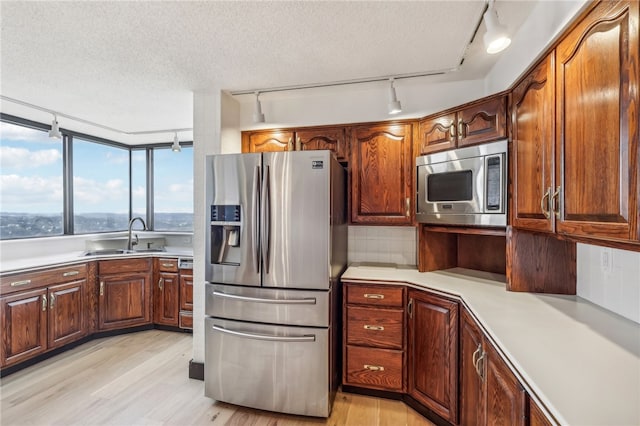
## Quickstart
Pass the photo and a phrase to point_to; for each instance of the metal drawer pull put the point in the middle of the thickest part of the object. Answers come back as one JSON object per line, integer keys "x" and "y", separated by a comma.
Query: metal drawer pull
{"x": 44, "y": 302}
{"x": 267, "y": 337}
{"x": 305, "y": 301}
{"x": 373, "y": 367}
{"x": 101, "y": 288}
{"x": 169, "y": 265}
{"x": 373, "y": 327}
{"x": 19, "y": 283}
{"x": 160, "y": 283}
{"x": 373, "y": 296}
{"x": 53, "y": 301}
{"x": 70, "y": 273}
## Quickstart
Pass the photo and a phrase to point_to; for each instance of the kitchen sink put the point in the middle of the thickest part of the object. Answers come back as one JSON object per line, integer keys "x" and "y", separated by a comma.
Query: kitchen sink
{"x": 103, "y": 252}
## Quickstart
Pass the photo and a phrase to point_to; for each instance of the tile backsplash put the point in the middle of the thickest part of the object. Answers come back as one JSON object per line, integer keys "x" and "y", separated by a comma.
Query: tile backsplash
{"x": 382, "y": 244}
{"x": 610, "y": 278}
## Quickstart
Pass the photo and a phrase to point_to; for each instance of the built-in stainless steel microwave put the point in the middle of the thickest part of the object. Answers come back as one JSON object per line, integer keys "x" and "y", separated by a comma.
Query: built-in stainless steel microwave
{"x": 466, "y": 186}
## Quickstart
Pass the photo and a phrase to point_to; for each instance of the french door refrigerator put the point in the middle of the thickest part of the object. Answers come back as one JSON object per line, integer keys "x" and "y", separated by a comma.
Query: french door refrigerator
{"x": 276, "y": 246}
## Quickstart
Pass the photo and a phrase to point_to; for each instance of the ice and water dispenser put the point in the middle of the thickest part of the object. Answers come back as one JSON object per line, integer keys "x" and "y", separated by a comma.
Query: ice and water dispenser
{"x": 225, "y": 234}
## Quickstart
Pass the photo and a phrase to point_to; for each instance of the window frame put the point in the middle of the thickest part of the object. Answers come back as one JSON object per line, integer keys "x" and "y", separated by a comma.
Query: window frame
{"x": 67, "y": 172}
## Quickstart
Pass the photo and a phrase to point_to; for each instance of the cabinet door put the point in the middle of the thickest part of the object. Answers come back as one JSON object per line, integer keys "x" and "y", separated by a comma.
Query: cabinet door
{"x": 24, "y": 326}
{"x": 433, "y": 353}
{"x": 186, "y": 292}
{"x": 124, "y": 301}
{"x": 267, "y": 141}
{"x": 436, "y": 134}
{"x": 331, "y": 138}
{"x": 471, "y": 393}
{"x": 532, "y": 115}
{"x": 381, "y": 174}
{"x": 597, "y": 123}
{"x": 166, "y": 293}
{"x": 67, "y": 313}
{"x": 505, "y": 397}
{"x": 484, "y": 122}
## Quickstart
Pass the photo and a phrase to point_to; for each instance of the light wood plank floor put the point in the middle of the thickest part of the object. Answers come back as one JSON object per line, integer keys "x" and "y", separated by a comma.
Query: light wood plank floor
{"x": 142, "y": 379}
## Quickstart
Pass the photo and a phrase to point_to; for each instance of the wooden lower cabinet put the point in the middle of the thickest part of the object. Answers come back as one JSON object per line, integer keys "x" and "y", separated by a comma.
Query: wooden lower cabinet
{"x": 52, "y": 313}
{"x": 186, "y": 299}
{"x": 67, "y": 318}
{"x": 24, "y": 326}
{"x": 166, "y": 294}
{"x": 490, "y": 393}
{"x": 374, "y": 338}
{"x": 433, "y": 353}
{"x": 124, "y": 293}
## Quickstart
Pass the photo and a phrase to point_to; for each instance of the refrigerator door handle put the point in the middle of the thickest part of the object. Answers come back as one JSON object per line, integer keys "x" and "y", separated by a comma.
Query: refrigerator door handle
{"x": 255, "y": 246}
{"x": 266, "y": 218}
{"x": 304, "y": 338}
{"x": 304, "y": 301}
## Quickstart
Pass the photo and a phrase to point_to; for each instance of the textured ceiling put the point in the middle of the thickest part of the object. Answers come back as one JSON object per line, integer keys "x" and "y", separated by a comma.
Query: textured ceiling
{"x": 134, "y": 65}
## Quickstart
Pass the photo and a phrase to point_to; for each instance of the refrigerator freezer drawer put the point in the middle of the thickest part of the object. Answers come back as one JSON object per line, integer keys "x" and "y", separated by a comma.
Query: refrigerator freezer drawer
{"x": 275, "y": 368}
{"x": 265, "y": 305}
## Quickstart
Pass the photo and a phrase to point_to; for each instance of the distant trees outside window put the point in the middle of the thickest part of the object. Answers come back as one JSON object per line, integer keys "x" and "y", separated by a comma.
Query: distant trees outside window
{"x": 31, "y": 185}
{"x": 108, "y": 187}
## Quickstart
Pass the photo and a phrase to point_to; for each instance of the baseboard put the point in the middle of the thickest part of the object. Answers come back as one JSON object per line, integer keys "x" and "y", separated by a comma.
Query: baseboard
{"x": 196, "y": 370}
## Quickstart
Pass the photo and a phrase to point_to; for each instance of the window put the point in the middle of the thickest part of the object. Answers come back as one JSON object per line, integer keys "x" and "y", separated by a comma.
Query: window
{"x": 108, "y": 186}
{"x": 139, "y": 183}
{"x": 173, "y": 189}
{"x": 31, "y": 186}
{"x": 100, "y": 187}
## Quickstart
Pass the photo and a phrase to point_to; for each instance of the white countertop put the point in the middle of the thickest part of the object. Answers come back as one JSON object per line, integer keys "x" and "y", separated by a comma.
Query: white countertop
{"x": 28, "y": 263}
{"x": 578, "y": 360}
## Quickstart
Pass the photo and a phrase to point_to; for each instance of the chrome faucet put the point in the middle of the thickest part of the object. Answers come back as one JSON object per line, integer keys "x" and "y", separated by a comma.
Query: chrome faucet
{"x": 130, "y": 243}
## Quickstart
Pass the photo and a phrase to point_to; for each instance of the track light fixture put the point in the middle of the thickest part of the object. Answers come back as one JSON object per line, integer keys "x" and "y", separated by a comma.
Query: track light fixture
{"x": 258, "y": 116}
{"x": 394, "y": 105}
{"x": 496, "y": 39}
{"x": 176, "y": 143}
{"x": 55, "y": 129}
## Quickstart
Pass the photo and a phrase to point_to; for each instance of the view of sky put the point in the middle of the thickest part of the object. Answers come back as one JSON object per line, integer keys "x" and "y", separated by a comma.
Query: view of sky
{"x": 31, "y": 176}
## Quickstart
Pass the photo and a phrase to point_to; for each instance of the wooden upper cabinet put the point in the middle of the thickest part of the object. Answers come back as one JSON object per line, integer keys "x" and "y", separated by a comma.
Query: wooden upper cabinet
{"x": 267, "y": 141}
{"x": 381, "y": 166}
{"x": 478, "y": 122}
{"x": 482, "y": 122}
{"x": 436, "y": 134}
{"x": 532, "y": 117}
{"x": 597, "y": 124}
{"x": 304, "y": 139}
{"x": 331, "y": 138}
{"x": 433, "y": 353}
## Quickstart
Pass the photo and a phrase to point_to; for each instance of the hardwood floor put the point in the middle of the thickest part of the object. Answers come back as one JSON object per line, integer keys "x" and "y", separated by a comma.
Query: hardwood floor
{"x": 142, "y": 379}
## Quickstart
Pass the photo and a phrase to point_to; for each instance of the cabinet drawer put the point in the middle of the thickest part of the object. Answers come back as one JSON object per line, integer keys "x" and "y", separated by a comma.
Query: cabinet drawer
{"x": 28, "y": 280}
{"x": 374, "y": 368}
{"x": 382, "y": 328}
{"x": 375, "y": 295}
{"x": 119, "y": 266}
{"x": 167, "y": 265}
{"x": 186, "y": 320}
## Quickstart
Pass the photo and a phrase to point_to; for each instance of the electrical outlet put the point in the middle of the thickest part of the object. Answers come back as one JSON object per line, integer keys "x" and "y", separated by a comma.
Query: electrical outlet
{"x": 606, "y": 260}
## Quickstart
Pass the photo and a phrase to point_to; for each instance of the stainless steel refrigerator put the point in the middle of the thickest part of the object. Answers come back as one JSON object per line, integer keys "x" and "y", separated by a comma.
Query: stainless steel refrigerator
{"x": 276, "y": 246}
